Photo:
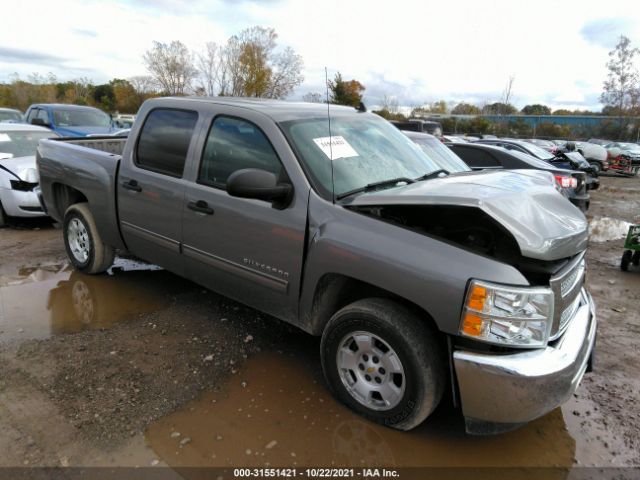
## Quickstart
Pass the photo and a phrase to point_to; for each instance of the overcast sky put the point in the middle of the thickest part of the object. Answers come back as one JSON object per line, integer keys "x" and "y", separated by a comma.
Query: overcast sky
{"x": 417, "y": 51}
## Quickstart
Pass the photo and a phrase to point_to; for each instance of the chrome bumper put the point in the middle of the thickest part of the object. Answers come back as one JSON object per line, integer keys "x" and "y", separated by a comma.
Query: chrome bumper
{"x": 501, "y": 392}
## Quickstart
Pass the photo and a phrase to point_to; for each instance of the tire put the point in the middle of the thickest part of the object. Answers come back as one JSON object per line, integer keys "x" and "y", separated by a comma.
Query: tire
{"x": 392, "y": 338}
{"x": 597, "y": 168}
{"x": 626, "y": 259}
{"x": 635, "y": 259}
{"x": 3, "y": 217}
{"x": 83, "y": 243}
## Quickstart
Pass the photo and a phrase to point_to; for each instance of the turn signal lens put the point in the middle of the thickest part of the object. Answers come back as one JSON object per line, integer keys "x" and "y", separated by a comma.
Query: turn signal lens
{"x": 510, "y": 316}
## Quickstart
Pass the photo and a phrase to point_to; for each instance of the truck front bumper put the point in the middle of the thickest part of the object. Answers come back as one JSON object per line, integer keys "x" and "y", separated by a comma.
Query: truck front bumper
{"x": 501, "y": 392}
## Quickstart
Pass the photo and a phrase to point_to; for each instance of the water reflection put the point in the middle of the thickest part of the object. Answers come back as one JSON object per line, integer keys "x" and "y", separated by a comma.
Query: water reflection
{"x": 278, "y": 413}
{"x": 41, "y": 301}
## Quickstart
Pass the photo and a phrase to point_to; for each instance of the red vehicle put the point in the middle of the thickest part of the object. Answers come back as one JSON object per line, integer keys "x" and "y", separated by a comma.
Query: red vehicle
{"x": 622, "y": 162}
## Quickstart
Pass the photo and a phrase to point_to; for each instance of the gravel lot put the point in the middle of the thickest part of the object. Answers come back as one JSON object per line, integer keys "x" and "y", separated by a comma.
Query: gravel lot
{"x": 143, "y": 368}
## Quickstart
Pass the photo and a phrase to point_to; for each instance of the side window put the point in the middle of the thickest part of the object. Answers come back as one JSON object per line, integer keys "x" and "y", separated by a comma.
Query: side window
{"x": 234, "y": 144}
{"x": 477, "y": 158}
{"x": 42, "y": 115}
{"x": 164, "y": 140}
{"x": 32, "y": 114}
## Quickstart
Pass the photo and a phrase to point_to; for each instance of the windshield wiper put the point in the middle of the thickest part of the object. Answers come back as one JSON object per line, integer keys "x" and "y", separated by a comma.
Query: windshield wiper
{"x": 375, "y": 186}
{"x": 430, "y": 175}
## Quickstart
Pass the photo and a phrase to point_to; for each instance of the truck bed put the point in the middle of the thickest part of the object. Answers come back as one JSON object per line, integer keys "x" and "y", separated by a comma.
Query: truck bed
{"x": 73, "y": 168}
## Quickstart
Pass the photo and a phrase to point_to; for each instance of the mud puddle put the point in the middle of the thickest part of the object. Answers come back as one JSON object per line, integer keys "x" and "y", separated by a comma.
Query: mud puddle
{"x": 37, "y": 302}
{"x": 277, "y": 412}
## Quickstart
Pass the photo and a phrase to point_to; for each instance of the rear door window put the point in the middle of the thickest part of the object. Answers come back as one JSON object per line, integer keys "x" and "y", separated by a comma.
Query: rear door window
{"x": 477, "y": 158}
{"x": 164, "y": 141}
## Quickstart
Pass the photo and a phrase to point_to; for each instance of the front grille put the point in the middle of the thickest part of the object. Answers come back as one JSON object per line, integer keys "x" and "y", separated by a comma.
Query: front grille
{"x": 566, "y": 286}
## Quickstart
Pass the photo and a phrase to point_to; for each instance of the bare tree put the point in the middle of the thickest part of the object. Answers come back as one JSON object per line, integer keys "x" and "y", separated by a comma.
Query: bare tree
{"x": 507, "y": 94}
{"x": 212, "y": 67}
{"x": 171, "y": 66}
{"x": 250, "y": 65}
{"x": 390, "y": 103}
{"x": 143, "y": 84}
{"x": 286, "y": 68}
{"x": 313, "y": 97}
{"x": 621, "y": 88}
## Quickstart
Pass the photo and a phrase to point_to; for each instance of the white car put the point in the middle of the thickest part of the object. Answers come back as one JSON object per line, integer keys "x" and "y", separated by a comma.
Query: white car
{"x": 10, "y": 115}
{"x": 18, "y": 173}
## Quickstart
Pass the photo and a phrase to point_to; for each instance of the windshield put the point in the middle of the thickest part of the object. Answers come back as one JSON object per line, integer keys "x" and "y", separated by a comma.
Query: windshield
{"x": 9, "y": 116}
{"x": 536, "y": 151}
{"x": 366, "y": 149}
{"x": 81, "y": 118}
{"x": 21, "y": 143}
{"x": 441, "y": 155}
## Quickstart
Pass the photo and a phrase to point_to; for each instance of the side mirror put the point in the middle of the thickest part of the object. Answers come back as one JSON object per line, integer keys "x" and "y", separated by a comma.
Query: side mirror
{"x": 260, "y": 185}
{"x": 39, "y": 122}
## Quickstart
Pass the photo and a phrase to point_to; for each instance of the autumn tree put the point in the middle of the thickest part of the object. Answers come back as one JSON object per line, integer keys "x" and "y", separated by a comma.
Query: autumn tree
{"x": 171, "y": 66}
{"x": 345, "y": 92}
{"x": 536, "y": 109}
{"x": 250, "y": 64}
{"x": 464, "y": 108}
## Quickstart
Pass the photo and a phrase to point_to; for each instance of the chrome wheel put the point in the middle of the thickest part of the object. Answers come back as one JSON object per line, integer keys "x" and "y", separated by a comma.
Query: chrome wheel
{"x": 78, "y": 240}
{"x": 371, "y": 371}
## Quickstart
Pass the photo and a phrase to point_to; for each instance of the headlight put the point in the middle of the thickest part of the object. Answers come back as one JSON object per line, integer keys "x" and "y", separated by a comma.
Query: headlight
{"x": 509, "y": 316}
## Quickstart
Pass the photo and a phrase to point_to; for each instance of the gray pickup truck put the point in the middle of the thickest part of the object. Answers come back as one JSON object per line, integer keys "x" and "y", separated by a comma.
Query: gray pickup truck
{"x": 420, "y": 280}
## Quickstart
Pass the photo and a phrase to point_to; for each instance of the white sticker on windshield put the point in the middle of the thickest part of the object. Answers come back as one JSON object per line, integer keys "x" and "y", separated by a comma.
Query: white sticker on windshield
{"x": 4, "y": 137}
{"x": 337, "y": 146}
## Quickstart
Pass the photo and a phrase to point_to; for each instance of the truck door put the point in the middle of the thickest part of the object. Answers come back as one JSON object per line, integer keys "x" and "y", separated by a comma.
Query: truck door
{"x": 244, "y": 248}
{"x": 151, "y": 188}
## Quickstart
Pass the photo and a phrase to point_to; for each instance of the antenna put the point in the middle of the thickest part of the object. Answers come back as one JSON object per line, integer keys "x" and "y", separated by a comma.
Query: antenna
{"x": 333, "y": 187}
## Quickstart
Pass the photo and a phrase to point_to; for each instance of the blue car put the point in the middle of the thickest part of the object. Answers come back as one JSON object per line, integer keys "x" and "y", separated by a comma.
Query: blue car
{"x": 70, "y": 120}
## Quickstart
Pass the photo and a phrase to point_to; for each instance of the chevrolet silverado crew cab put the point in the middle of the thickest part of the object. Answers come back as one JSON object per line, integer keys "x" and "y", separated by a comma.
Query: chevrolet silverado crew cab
{"x": 420, "y": 280}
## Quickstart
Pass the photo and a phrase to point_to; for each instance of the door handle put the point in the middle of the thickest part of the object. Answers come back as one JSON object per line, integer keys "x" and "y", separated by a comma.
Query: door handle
{"x": 132, "y": 185}
{"x": 201, "y": 207}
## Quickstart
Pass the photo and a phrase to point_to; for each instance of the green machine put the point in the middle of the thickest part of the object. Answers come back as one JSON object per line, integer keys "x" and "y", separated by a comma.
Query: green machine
{"x": 632, "y": 248}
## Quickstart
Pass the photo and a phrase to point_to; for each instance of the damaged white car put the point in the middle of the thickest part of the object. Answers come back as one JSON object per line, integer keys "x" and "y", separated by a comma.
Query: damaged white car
{"x": 18, "y": 173}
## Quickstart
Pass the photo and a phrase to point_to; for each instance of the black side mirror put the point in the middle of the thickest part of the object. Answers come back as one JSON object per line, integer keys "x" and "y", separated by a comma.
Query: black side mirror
{"x": 40, "y": 122}
{"x": 260, "y": 185}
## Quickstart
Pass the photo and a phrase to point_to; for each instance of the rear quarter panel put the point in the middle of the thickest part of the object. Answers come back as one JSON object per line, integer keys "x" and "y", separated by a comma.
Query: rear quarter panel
{"x": 92, "y": 172}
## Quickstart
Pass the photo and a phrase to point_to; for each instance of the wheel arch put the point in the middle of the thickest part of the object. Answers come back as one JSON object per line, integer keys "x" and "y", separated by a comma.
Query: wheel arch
{"x": 335, "y": 291}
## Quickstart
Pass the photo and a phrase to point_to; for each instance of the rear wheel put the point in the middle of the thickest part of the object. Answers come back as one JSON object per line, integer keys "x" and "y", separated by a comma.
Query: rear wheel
{"x": 83, "y": 243}
{"x": 597, "y": 168}
{"x": 3, "y": 217}
{"x": 626, "y": 259}
{"x": 384, "y": 362}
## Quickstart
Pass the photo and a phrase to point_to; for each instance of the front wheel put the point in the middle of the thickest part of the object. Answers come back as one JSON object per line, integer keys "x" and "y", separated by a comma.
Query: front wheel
{"x": 384, "y": 361}
{"x": 83, "y": 243}
{"x": 597, "y": 168}
{"x": 626, "y": 260}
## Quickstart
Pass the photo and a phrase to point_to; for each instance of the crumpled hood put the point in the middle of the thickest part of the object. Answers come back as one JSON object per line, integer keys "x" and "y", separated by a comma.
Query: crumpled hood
{"x": 81, "y": 131}
{"x": 546, "y": 225}
{"x": 21, "y": 167}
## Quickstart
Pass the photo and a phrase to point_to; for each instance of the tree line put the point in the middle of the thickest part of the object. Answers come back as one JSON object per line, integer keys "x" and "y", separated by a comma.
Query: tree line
{"x": 248, "y": 64}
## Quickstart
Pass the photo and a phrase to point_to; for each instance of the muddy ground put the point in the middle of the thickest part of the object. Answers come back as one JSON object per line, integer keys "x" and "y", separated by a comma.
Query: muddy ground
{"x": 142, "y": 368}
